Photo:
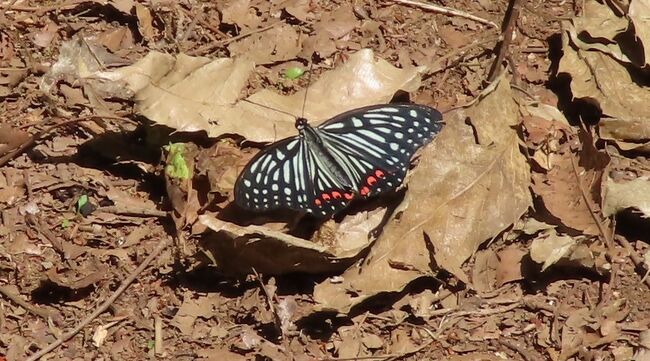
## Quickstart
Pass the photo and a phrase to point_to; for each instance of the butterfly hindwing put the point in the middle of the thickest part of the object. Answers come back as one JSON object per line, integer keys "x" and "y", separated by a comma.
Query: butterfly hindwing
{"x": 375, "y": 144}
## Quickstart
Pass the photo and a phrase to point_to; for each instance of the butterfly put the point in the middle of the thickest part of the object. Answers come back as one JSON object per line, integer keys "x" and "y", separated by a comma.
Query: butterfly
{"x": 357, "y": 154}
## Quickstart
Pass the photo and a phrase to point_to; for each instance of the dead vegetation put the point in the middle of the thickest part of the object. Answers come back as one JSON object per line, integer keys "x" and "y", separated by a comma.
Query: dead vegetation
{"x": 522, "y": 233}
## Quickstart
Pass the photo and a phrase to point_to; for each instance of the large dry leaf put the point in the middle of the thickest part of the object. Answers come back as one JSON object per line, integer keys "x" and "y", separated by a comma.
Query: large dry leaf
{"x": 197, "y": 93}
{"x": 623, "y": 195}
{"x": 602, "y": 69}
{"x": 239, "y": 249}
{"x": 571, "y": 190}
{"x": 470, "y": 184}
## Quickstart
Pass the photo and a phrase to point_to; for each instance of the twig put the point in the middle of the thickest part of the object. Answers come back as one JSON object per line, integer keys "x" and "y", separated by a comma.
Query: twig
{"x": 137, "y": 212}
{"x": 269, "y": 300}
{"x": 567, "y": 354}
{"x": 509, "y": 24}
{"x": 42, "y": 9}
{"x": 36, "y": 137}
{"x": 221, "y": 43}
{"x": 5, "y": 291}
{"x": 104, "y": 306}
{"x": 638, "y": 261}
{"x": 590, "y": 206}
{"x": 446, "y": 11}
{"x": 517, "y": 347}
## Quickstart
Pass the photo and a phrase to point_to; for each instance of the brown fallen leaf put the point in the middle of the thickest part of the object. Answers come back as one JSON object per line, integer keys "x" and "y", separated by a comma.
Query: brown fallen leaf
{"x": 632, "y": 194}
{"x": 256, "y": 47}
{"x": 469, "y": 185}
{"x": 241, "y": 12}
{"x": 604, "y": 73}
{"x": 238, "y": 249}
{"x": 509, "y": 266}
{"x": 571, "y": 190}
{"x": 195, "y": 93}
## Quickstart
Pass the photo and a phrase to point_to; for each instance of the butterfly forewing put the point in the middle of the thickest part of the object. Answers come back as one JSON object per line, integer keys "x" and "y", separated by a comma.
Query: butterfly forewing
{"x": 274, "y": 178}
{"x": 380, "y": 138}
{"x": 359, "y": 153}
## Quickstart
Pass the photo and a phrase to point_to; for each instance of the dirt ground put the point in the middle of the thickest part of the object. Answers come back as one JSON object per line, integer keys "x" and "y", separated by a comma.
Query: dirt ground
{"x": 106, "y": 256}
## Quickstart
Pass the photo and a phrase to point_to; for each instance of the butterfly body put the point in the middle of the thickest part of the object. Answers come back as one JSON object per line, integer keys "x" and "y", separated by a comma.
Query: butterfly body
{"x": 357, "y": 154}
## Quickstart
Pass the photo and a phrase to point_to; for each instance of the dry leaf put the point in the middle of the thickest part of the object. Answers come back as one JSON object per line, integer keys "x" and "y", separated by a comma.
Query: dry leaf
{"x": 460, "y": 194}
{"x": 573, "y": 178}
{"x": 239, "y": 249}
{"x": 145, "y": 22}
{"x": 603, "y": 74}
{"x": 194, "y": 93}
{"x": 551, "y": 248}
{"x": 484, "y": 270}
{"x": 627, "y": 194}
{"x": 284, "y": 41}
{"x": 509, "y": 266}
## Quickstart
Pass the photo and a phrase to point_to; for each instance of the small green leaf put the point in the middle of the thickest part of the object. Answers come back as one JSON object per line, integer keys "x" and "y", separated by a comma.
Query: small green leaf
{"x": 294, "y": 73}
{"x": 177, "y": 166}
{"x": 65, "y": 223}
{"x": 82, "y": 202}
{"x": 151, "y": 344}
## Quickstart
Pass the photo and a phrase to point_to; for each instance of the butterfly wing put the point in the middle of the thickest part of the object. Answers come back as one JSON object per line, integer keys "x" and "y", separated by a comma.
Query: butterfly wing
{"x": 287, "y": 174}
{"x": 374, "y": 144}
{"x": 274, "y": 178}
{"x": 361, "y": 152}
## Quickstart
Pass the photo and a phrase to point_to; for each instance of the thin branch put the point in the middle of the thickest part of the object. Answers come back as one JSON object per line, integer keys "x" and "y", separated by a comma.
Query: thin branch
{"x": 218, "y": 44}
{"x": 5, "y": 291}
{"x": 104, "y": 306}
{"x": 36, "y": 137}
{"x": 509, "y": 26}
{"x": 446, "y": 11}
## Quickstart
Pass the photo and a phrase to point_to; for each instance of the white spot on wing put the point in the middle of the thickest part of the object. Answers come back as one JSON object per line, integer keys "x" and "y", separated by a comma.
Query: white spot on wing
{"x": 413, "y": 113}
{"x": 337, "y": 125}
{"x": 394, "y": 146}
{"x": 292, "y": 144}
{"x": 399, "y": 135}
{"x": 357, "y": 122}
{"x": 384, "y": 110}
{"x": 247, "y": 183}
{"x": 374, "y": 115}
{"x": 287, "y": 191}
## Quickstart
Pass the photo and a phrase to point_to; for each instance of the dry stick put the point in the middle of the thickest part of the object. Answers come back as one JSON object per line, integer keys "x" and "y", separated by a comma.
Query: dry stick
{"x": 5, "y": 291}
{"x": 638, "y": 261}
{"x": 33, "y": 139}
{"x": 509, "y": 26}
{"x": 520, "y": 349}
{"x": 221, "y": 43}
{"x": 64, "y": 6}
{"x": 446, "y": 11}
{"x": 104, "y": 306}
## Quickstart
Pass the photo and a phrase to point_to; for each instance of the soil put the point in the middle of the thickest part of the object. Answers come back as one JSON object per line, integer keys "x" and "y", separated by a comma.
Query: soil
{"x": 66, "y": 248}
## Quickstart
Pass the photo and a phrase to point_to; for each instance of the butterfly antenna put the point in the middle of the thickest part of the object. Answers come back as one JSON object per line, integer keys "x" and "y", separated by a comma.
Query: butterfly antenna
{"x": 304, "y": 99}
{"x": 269, "y": 108}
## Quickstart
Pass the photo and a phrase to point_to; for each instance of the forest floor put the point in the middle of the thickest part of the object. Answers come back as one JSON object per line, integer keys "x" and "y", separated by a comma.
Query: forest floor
{"x": 522, "y": 233}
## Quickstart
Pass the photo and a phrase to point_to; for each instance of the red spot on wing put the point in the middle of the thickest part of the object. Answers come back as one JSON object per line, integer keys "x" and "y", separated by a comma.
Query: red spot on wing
{"x": 379, "y": 173}
{"x": 371, "y": 180}
{"x": 336, "y": 195}
{"x": 348, "y": 195}
{"x": 364, "y": 191}
{"x": 318, "y": 202}
{"x": 326, "y": 197}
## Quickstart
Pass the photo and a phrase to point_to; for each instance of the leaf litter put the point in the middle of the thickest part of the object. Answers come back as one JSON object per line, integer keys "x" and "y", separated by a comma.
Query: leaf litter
{"x": 502, "y": 246}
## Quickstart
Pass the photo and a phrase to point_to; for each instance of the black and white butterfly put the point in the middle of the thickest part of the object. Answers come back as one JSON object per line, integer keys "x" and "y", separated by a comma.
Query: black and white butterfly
{"x": 357, "y": 154}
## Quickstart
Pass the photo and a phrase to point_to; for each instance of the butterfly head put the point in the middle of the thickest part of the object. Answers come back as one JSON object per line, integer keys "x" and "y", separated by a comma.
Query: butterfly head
{"x": 301, "y": 123}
